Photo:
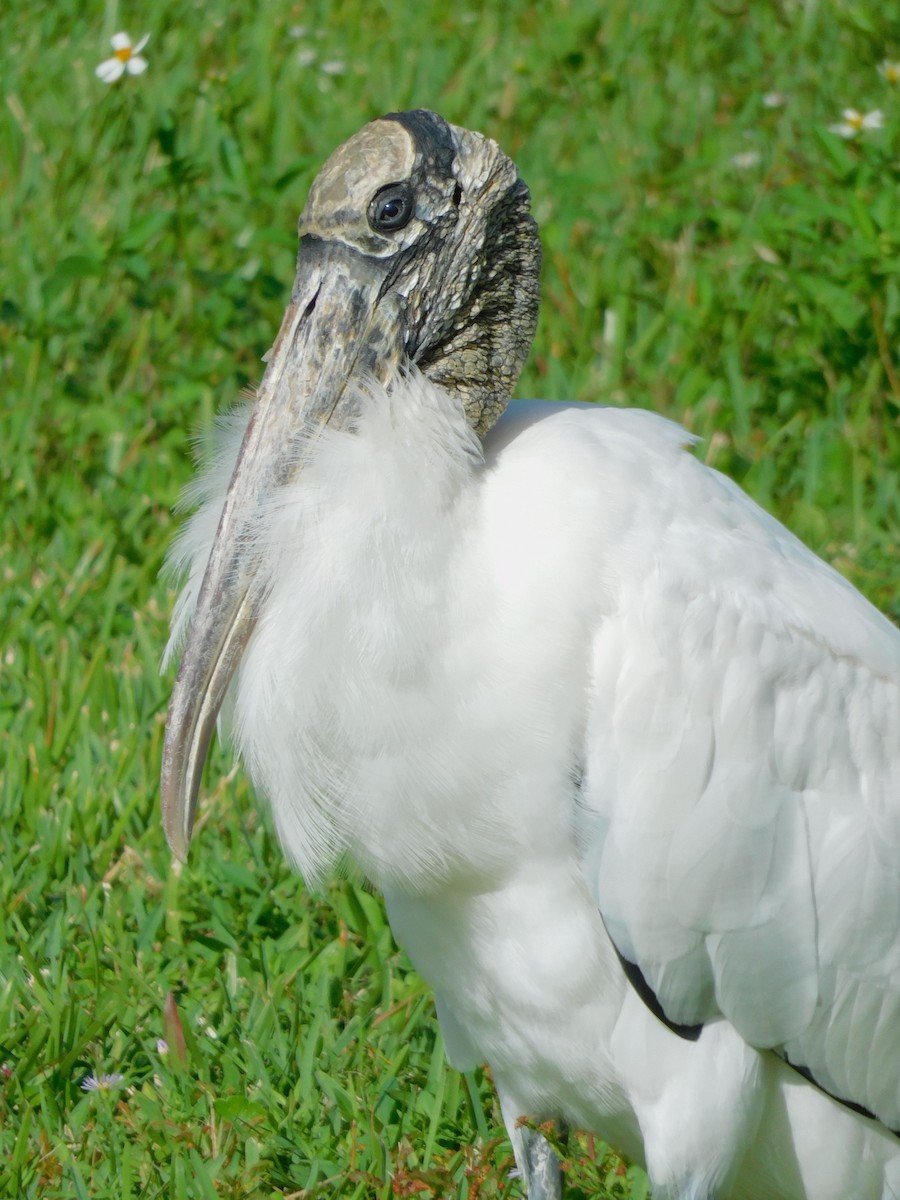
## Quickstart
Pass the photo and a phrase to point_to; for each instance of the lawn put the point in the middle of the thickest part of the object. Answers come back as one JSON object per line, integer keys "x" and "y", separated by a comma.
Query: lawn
{"x": 714, "y": 250}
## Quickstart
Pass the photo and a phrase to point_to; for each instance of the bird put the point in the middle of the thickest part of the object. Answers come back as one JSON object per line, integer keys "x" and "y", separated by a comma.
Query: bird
{"x": 620, "y": 753}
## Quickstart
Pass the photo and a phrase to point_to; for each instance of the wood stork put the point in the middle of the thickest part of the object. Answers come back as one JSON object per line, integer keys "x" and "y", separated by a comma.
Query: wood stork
{"x": 622, "y": 755}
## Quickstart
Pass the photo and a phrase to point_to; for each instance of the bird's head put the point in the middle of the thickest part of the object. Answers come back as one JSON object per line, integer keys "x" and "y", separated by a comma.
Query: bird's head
{"x": 417, "y": 249}
{"x": 417, "y": 246}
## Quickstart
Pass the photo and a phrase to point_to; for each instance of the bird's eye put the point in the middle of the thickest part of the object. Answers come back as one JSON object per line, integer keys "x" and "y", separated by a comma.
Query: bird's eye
{"x": 391, "y": 208}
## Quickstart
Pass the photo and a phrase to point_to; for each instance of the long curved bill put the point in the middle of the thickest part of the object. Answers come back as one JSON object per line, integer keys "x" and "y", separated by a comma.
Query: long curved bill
{"x": 335, "y": 329}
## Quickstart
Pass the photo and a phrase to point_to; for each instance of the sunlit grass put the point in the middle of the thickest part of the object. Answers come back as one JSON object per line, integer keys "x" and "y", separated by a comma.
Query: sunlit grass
{"x": 732, "y": 264}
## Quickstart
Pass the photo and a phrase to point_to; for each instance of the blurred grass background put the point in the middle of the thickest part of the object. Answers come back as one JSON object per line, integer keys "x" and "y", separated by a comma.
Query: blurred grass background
{"x": 713, "y": 251}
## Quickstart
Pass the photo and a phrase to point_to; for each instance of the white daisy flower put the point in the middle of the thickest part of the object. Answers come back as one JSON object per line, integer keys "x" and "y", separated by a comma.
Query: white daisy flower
{"x": 126, "y": 58}
{"x": 774, "y": 100}
{"x": 889, "y": 71}
{"x": 102, "y": 1083}
{"x": 854, "y": 122}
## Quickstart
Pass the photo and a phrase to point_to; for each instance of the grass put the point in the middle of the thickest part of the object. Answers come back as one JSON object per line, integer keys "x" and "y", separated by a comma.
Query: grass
{"x": 730, "y": 264}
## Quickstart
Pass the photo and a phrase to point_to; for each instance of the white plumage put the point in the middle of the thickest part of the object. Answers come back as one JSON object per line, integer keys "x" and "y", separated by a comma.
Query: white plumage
{"x": 565, "y": 684}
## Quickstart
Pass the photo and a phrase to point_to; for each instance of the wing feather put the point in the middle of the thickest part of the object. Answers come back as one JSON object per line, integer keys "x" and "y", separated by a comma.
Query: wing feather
{"x": 740, "y": 806}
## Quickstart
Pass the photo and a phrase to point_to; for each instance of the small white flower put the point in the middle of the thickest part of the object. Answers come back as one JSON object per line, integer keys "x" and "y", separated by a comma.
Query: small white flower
{"x": 306, "y": 57}
{"x": 855, "y": 122}
{"x": 126, "y": 58}
{"x": 746, "y": 160}
{"x": 335, "y": 67}
{"x": 889, "y": 71}
{"x": 102, "y": 1083}
{"x": 162, "y": 1047}
{"x": 774, "y": 100}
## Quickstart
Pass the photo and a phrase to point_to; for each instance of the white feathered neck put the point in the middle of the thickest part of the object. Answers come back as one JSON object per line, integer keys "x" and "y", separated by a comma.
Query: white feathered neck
{"x": 327, "y": 707}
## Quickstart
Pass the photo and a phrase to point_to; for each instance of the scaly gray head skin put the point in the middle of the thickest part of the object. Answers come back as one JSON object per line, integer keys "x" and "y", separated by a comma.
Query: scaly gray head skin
{"x": 416, "y": 248}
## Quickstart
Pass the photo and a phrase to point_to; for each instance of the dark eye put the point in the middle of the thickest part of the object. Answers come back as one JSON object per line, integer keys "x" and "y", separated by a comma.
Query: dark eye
{"x": 391, "y": 208}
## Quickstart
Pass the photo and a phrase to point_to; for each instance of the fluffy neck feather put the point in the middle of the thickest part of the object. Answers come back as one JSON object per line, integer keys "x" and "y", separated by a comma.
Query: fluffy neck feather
{"x": 330, "y": 702}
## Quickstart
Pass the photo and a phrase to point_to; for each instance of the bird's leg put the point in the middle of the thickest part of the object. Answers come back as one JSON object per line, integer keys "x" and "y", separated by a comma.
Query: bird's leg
{"x": 543, "y": 1177}
{"x": 535, "y": 1157}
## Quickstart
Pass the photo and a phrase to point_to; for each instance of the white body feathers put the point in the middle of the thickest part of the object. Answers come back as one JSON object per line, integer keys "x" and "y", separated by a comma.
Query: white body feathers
{"x": 585, "y": 673}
